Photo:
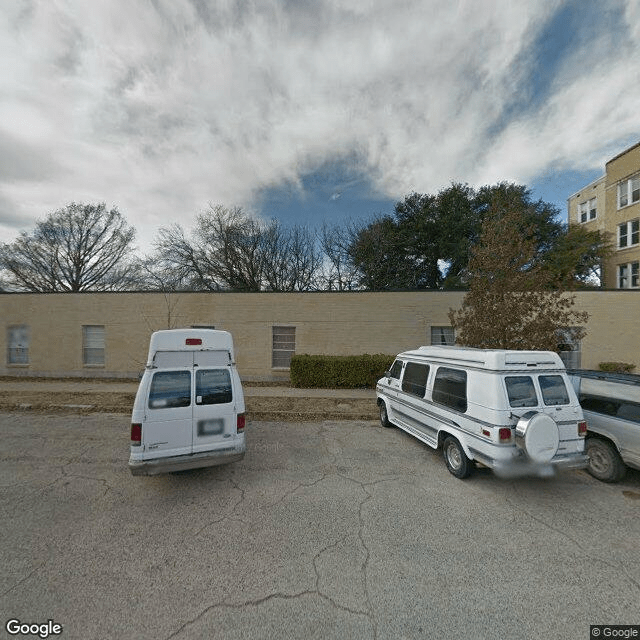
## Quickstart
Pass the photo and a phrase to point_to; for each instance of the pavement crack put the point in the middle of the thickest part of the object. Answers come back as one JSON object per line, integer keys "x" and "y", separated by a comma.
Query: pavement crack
{"x": 367, "y": 552}
{"x": 560, "y": 532}
{"x": 232, "y": 512}
{"x": 365, "y": 564}
{"x": 239, "y": 606}
{"x": 17, "y": 584}
{"x": 298, "y": 486}
{"x": 612, "y": 565}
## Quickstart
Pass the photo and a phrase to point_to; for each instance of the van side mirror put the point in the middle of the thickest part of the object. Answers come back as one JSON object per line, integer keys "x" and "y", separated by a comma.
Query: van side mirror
{"x": 387, "y": 374}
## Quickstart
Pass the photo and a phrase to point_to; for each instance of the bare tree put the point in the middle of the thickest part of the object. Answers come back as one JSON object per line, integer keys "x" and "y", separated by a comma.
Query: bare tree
{"x": 514, "y": 301}
{"x": 82, "y": 247}
{"x": 291, "y": 258}
{"x": 339, "y": 272}
{"x": 229, "y": 250}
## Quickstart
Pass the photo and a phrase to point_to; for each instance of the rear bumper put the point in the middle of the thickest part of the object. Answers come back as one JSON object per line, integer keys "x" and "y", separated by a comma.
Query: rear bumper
{"x": 182, "y": 463}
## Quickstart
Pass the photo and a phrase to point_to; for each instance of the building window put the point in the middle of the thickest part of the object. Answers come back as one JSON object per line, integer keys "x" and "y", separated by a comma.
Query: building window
{"x": 629, "y": 275}
{"x": 284, "y": 346}
{"x": 629, "y": 191}
{"x": 443, "y": 336}
{"x": 18, "y": 344}
{"x": 588, "y": 210}
{"x": 628, "y": 234}
{"x": 93, "y": 345}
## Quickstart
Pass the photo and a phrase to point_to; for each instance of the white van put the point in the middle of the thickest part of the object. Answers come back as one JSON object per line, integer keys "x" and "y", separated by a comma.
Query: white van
{"x": 513, "y": 411}
{"x": 189, "y": 410}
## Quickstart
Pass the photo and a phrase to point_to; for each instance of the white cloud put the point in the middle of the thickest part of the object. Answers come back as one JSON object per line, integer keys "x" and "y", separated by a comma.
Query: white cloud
{"x": 162, "y": 107}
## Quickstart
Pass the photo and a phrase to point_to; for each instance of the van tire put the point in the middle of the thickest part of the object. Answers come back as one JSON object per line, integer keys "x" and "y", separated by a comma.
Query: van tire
{"x": 384, "y": 416}
{"x": 605, "y": 462}
{"x": 456, "y": 459}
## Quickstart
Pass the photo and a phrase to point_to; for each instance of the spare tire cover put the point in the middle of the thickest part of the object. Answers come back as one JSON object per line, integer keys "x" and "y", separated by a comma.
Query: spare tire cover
{"x": 537, "y": 434}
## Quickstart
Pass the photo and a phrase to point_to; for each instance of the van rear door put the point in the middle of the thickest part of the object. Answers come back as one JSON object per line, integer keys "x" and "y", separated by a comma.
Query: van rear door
{"x": 168, "y": 414}
{"x": 214, "y": 411}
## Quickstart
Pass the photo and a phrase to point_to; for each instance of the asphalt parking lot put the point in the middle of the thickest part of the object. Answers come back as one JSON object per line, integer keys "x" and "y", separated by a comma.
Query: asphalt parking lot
{"x": 324, "y": 530}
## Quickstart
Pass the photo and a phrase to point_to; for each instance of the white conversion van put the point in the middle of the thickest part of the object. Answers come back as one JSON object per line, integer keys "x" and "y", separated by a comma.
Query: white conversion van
{"x": 189, "y": 410}
{"x": 513, "y": 411}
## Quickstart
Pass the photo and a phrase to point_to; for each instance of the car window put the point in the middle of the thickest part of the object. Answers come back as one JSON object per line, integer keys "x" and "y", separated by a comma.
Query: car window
{"x": 521, "y": 391}
{"x": 170, "y": 389}
{"x": 396, "y": 369}
{"x": 629, "y": 411}
{"x": 609, "y": 407}
{"x": 213, "y": 386}
{"x": 450, "y": 388}
{"x": 606, "y": 406}
{"x": 414, "y": 380}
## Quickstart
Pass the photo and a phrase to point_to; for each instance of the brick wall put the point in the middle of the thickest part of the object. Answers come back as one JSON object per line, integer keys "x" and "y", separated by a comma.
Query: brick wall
{"x": 330, "y": 323}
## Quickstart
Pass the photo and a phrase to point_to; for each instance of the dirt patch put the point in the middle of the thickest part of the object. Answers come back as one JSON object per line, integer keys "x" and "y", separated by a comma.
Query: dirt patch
{"x": 258, "y": 407}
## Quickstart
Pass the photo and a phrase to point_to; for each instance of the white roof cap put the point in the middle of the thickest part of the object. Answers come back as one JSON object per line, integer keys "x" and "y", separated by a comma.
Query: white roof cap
{"x": 190, "y": 340}
{"x": 491, "y": 359}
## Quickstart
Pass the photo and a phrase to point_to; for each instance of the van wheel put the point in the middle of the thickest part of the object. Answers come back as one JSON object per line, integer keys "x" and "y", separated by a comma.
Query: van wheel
{"x": 384, "y": 418}
{"x": 455, "y": 457}
{"x": 605, "y": 462}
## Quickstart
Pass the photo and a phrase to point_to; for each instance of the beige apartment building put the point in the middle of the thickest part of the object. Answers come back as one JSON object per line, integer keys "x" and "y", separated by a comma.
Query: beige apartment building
{"x": 612, "y": 204}
{"x": 107, "y": 334}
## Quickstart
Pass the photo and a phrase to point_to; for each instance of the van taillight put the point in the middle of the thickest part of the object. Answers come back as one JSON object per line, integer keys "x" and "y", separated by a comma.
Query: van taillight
{"x": 504, "y": 434}
{"x": 582, "y": 428}
{"x": 136, "y": 434}
{"x": 240, "y": 423}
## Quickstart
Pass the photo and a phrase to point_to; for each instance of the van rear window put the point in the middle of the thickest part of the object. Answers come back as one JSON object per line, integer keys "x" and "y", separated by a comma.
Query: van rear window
{"x": 554, "y": 391}
{"x": 213, "y": 386}
{"x": 450, "y": 388}
{"x": 170, "y": 389}
{"x": 521, "y": 391}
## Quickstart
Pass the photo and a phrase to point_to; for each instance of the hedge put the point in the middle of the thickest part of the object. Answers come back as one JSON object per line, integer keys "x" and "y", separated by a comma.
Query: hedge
{"x": 617, "y": 367}
{"x": 338, "y": 372}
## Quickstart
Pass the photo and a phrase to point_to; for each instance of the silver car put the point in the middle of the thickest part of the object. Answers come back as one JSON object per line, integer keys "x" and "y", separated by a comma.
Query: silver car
{"x": 611, "y": 406}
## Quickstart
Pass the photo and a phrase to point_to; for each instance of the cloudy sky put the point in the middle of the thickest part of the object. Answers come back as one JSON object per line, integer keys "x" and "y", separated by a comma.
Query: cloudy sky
{"x": 306, "y": 110}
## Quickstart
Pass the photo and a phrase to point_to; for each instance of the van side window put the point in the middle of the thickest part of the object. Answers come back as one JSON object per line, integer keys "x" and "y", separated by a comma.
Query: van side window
{"x": 610, "y": 407}
{"x": 396, "y": 369}
{"x": 553, "y": 390}
{"x": 450, "y": 388}
{"x": 415, "y": 379}
{"x": 170, "y": 389}
{"x": 521, "y": 391}
{"x": 213, "y": 386}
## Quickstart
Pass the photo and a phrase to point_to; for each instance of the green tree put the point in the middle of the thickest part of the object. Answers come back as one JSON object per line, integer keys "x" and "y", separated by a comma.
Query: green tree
{"x": 514, "y": 300}
{"x": 82, "y": 247}
{"x": 427, "y": 242}
{"x": 379, "y": 254}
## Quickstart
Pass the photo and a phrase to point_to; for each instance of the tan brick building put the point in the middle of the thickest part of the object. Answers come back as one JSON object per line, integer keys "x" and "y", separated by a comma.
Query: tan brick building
{"x": 107, "y": 334}
{"x": 612, "y": 204}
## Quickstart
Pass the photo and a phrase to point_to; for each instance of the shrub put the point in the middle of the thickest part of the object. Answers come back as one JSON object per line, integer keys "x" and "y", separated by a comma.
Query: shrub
{"x": 338, "y": 372}
{"x": 617, "y": 367}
